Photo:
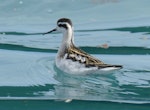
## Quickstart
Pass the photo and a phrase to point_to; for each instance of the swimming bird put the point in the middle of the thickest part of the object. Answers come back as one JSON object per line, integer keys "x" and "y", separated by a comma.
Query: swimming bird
{"x": 73, "y": 60}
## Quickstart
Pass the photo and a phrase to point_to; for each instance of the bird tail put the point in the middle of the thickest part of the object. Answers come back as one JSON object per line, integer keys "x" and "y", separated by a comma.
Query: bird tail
{"x": 107, "y": 67}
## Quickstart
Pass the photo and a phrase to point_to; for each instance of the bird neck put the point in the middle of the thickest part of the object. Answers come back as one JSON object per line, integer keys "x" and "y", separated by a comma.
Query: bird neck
{"x": 68, "y": 38}
{"x": 67, "y": 42}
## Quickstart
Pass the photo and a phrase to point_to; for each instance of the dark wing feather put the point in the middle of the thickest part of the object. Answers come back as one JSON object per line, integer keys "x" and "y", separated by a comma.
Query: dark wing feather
{"x": 90, "y": 61}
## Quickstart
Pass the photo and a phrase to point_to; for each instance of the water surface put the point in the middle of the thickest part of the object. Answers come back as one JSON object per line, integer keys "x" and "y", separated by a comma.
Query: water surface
{"x": 27, "y": 57}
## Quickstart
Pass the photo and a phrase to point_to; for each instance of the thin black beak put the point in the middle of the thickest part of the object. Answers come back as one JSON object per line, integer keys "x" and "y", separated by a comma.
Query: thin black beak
{"x": 50, "y": 31}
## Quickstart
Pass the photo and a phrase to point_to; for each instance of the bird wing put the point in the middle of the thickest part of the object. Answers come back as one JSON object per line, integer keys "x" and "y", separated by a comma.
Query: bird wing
{"x": 77, "y": 54}
{"x": 81, "y": 56}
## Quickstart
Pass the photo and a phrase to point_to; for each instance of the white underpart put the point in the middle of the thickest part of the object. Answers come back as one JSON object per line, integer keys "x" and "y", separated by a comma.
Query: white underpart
{"x": 74, "y": 67}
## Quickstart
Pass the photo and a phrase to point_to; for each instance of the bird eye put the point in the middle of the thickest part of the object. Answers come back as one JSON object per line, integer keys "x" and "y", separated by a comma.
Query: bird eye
{"x": 63, "y": 25}
{"x": 60, "y": 25}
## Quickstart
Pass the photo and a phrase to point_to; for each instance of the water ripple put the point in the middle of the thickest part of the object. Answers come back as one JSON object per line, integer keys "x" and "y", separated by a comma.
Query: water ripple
{"x": 92, "y": 50}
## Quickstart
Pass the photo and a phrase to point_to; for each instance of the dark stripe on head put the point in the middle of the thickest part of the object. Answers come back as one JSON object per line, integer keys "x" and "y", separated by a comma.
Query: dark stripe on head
{"x": 63, "y": 25}
{"x": 65, "y": 20}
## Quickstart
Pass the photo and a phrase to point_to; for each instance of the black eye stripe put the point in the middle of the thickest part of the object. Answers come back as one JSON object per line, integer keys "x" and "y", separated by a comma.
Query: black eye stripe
{"x": 60, "y": 25}
{"x": 63, "y": 25}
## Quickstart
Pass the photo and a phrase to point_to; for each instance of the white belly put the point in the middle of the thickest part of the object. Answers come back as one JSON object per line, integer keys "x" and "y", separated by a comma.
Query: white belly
{"x": 74, "y": 67}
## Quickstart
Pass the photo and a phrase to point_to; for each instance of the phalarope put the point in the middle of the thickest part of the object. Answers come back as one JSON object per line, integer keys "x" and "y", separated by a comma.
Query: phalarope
{"x": 73, "y": 60}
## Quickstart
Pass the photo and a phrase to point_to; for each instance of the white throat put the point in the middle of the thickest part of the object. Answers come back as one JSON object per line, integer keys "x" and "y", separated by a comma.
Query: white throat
{"x": 67, "y": 41}
{"x": 67, "y": 37}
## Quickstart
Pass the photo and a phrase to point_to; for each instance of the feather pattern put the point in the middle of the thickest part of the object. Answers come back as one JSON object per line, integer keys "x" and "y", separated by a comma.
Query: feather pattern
{"x": 76, "y": 54}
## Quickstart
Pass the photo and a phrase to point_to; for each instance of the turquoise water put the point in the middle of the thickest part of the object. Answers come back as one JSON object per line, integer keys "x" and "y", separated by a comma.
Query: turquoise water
{"x": 29, "y": 79}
